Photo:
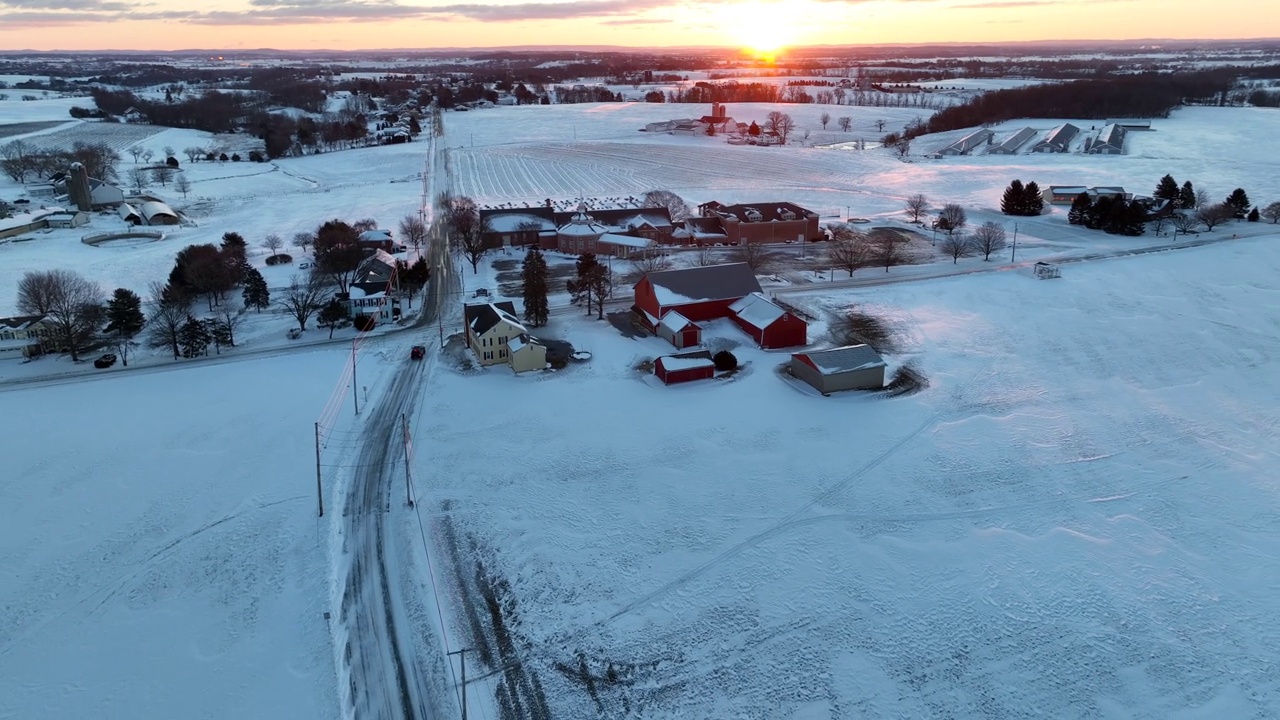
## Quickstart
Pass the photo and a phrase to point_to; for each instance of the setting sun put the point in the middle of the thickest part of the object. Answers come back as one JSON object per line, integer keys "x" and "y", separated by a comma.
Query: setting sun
{"x": 765, "y": 27}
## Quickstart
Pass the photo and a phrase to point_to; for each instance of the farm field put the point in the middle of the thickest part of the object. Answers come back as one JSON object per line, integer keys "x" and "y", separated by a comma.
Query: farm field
{"x": 1076, "y": 518}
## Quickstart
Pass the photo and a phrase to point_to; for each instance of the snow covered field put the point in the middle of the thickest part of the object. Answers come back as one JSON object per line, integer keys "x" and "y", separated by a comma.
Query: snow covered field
{"x": 159, "y": 545}
{"x": 1077, "y": 518}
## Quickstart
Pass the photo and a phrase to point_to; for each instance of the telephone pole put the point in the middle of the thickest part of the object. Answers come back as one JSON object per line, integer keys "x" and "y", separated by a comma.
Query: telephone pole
{"x": 408, "y": 482}
{"x": 1014, "y": 254}
{"x": 319, "y": 484}
{"x": 355, "y": 387}
{"x": 462, "y": 659}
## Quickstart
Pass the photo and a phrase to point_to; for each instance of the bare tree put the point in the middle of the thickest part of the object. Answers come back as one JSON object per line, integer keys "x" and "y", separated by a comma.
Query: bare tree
{"x": 273, "y": 243}
{"x": 230, "y": 320}
{"x": 168, "y": 151}
{"x": 849, "y": 249}
{"x": 147, "y": 155}
{"x": 957, "y": 246}
{"x": 17, "y": 160}
{"x": 168, "y": 315}
{"x": 754, "y": 255}
{"x": 989, "y": 237}
{"x": 364, "y": 224}
{"x": 193, "y": 154}
{"x": 880, "y": 125}
{"x": 1272, "y": 213}
{"x": 304, "y": 297}
{"x": 917, "y": 205}
{"x": 887, "y": 250}
{"x": 647, "y": 262}
{"x": 675, "y": 205}
{"x": 463, "y": 219}
{"x": 845, "y": 123}
{"x": 163, "y": 174}
{"x": 599, "y": 286}
{"x": 705, "y": 255}
{"x": 136, "y": 152}
{"x": 304, "y": 240}
{"x": 902, "y": 147}
{"x": 824, "y": 118}
{"x": 71, "y": 304}
{"x": 414, "y": 232}
{"x": 780, "y": 123}
{"x": 952, "y": 218}
{"x": 138, "y": 177}
{"x": 1203, "y": 198}
{"x": 1184, "y": 222}
{"x": 1213, "y": 215}
{"x": 182, "y": 185}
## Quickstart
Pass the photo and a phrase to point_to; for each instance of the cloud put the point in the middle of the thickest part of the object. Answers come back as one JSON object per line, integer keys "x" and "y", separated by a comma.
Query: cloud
{"x": 636, "y": 21}
{"x": 78, "y": 5}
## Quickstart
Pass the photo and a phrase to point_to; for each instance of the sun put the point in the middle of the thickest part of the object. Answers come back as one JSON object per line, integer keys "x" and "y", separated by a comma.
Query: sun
{"x": 764, "y": 28}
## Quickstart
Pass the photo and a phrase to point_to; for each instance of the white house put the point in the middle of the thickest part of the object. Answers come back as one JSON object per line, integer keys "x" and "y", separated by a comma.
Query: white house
{"x": 497, "y": 336}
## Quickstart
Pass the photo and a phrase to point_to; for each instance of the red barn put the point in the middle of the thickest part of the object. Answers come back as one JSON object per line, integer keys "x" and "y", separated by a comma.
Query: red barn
{"x": 769, "y": 325}
{"x": 699, "y": 293}
{"x": 685, "y": 367}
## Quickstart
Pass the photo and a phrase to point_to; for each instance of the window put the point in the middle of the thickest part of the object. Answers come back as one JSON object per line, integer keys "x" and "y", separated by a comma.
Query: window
{"x": 502, "y": 339}
{"x": 488, "y": 355}
{"x": 502, "y": 353}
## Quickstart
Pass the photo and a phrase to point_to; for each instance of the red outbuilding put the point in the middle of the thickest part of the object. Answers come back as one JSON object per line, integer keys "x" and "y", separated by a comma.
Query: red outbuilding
{"x": 685, "y": 367}
{"x": 768, "y": 324}
{"x": 699, "y": 293}
{"x": 679, "y": 330}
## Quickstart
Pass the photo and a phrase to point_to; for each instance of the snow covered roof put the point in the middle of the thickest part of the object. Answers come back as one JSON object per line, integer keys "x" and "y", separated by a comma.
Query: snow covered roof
{"x": 1016, "y": 140}
{"x": 1112, "y": 135}
{"x": 625, "y": 240}
{"x": 510, "y": 221}
{"x": 21, "y": 322}
{"x": 1061, "y": 135}
{"x": 675, "y": 322}
{"x": 757, "y": 311}
{"x": 1067, "y": 189}
{"x": 154, "y": 208}
{"x": 482, "y": 317}
{"x": 843, "y": 359}
{"x": 582, "y": 225}
{"x": 687, "y": 361}
{"x": 520, "y": 342}
{"x": 713, "y": 282}
{"x": 374, "y": 235}
{"x": 762, "y": 212}
{"x": 25, "y": 218}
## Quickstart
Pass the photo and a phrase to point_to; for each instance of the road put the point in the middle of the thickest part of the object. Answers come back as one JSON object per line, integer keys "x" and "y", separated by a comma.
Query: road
{"x": 385, "y": 650}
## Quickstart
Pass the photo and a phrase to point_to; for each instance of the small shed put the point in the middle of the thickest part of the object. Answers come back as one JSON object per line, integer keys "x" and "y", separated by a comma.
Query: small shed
{"x": 526, "y": 353}
{"x": 679, "y": 330}
{"x": 69, "y": 219}
{"x": 685, "y": 367}
{"x": 768, "y": 324}
{"x": 158, "y": 213}
{"x": 1047, "y": 271}
{"x": 852, "y": 367}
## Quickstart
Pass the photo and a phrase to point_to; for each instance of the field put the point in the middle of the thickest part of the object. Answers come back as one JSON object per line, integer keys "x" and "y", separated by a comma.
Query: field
{"x": 1075, "y": 519}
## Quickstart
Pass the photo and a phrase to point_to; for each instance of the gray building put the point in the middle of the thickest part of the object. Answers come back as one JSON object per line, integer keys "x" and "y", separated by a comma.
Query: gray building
{"x": 1110, "y": 140}
{"x": 852, "y": 367}
{"x": 968, "y": 143}
{"x": 1058, "y": 140}
{"x": 1010, "y": 144}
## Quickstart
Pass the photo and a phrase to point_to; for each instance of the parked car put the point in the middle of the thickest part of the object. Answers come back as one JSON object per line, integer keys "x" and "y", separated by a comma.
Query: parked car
{"x": 304, "y": 266}
{"x": 105, "y": 361}
{"x": 418, "y": 352}
{"x": 482, "y": 293}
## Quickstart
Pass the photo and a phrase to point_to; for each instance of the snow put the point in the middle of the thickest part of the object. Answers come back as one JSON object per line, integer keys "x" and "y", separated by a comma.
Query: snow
{"x": 510, "y": 222}
{"x": 1076, "y": 518}
{"x": 23, "y": 219}
{"x": 673, "y": 322}
{"x": 757, "y": 311}
{"x": 625, "y": 240}
{"x": 672, "y": 363}
{"x": 162, "y": 557}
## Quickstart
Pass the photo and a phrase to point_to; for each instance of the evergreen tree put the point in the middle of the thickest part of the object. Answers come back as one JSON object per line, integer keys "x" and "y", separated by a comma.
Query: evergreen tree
{"x": 256, "y": 294}
{"x": 580, "y": 287}
{"x": 332, "y": 315}
{"x": 534, "y": 273}
{"x": 1033, "y": 200}
{"x": 1238, "y": 201}
{"x": 194, "y": 338}
{"x": 1131, "y": 218}
{"x": 1098, "y": 215}
{"x": 1187, "y": 196}
{"x": 1254, "y": 215}
{"x": 124, "y": 320}
{"x": 1167, "y": 189}
{"x": 1080, "y": 209}
{"x": 235, "y": 252}
{"x": 1012, "y": 201}
{"x": 177, "y": 290}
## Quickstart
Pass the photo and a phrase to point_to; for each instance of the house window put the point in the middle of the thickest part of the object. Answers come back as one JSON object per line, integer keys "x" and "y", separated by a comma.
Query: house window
{"x": 488, "y": 355}
{"x": 502, "y": 353}
{"x": 502, "y": 339}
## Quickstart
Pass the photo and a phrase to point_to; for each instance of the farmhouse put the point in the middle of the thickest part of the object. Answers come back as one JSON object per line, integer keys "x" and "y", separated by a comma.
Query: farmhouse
{"x": 1010, "y": 144}
{"x": 764, "y": 222}
{"x": 769, "y": 325}
{"x": 968, "y": 143}
{"x": 698, "y": 293}
{"x": 496, "y": 336}
{"x": 853, "y": 367}
{"x": 24, "y": 336}
{"x": 679, "y": 330}
{"x": 1110, "y": 141}
{"x": 155, "y": 212}
{"x": 1058, "y": 140}
{"x": 685, "y": 367}
{"x": 376, "y": 239}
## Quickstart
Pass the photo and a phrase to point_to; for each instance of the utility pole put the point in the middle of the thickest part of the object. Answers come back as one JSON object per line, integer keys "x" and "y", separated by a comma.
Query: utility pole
{"x": 319, "y": 484}
{"x": 355, "y": 387}
{"x": 462, "y": 659}
{"x": 1014, "y": 254}
{"x": 408, "y": 483}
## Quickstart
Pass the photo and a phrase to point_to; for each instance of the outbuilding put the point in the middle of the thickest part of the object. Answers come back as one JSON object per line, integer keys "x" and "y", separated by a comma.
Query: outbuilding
{"x": 679, "y": 330}
{"x": 768, "y": 324}
{"x": 699, "y": 293}
{"x": 852, "y": 367}
{"x": 685, "y": 367}
{"x": 68, "y": 219}
{"x": 157, "y": 213}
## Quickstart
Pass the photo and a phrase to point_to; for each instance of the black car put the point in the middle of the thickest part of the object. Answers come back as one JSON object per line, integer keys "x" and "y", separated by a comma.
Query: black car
{"x": 105, "y": 361}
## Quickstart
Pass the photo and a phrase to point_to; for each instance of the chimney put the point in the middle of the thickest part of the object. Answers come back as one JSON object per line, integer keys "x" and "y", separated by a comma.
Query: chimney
{"x": 78, "y": 187}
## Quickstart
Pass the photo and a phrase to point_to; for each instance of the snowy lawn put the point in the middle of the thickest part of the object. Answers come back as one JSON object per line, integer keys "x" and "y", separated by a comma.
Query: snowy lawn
{"x": 160, "y": 548}
{"x": 1076, "y": 519}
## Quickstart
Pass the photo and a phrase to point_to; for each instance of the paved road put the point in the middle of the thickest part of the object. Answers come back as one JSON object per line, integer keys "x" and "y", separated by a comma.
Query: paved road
{"x": 385, "y": 649}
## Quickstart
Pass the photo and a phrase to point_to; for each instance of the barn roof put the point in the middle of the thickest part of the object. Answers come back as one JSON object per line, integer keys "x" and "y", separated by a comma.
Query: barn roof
{"x": 762, "y": 212}
{"x": 154, "y": 208}
{"x": 757, "y": 311}
{"x": 687, "y": 361}
{"x": 480, "y": 318}
{"x": 675, "y": 322}
{"x": 843, "y": 359}
{"x": 1016, "y": 140}
{"x": 713, "y": 282}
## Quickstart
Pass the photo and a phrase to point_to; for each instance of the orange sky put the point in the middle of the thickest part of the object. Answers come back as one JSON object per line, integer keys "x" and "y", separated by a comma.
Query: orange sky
{"x": 372, "y": 24}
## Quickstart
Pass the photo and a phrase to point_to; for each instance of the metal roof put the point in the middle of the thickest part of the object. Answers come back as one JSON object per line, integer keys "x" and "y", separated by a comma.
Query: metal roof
{"x": 713, "y": 282}
{"x": 843, "y": 359}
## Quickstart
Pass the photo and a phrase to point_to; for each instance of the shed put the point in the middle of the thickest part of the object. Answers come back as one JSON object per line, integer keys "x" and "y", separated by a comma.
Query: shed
{"x": 685, "y": 367}
{"x": 768, "y": 324}
{"x": 1010, "y": 144}
{"x": 679, "y": 330}
{"x": 69, "y": 219}
{"x": 129, "y": 214}
{"x": 157, "y": 213}
{"x": 700, "y": 293}
{"x": 526, "y": 353}
{"x": 852, "y": 367}
{"x": 1058, "y": 140}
